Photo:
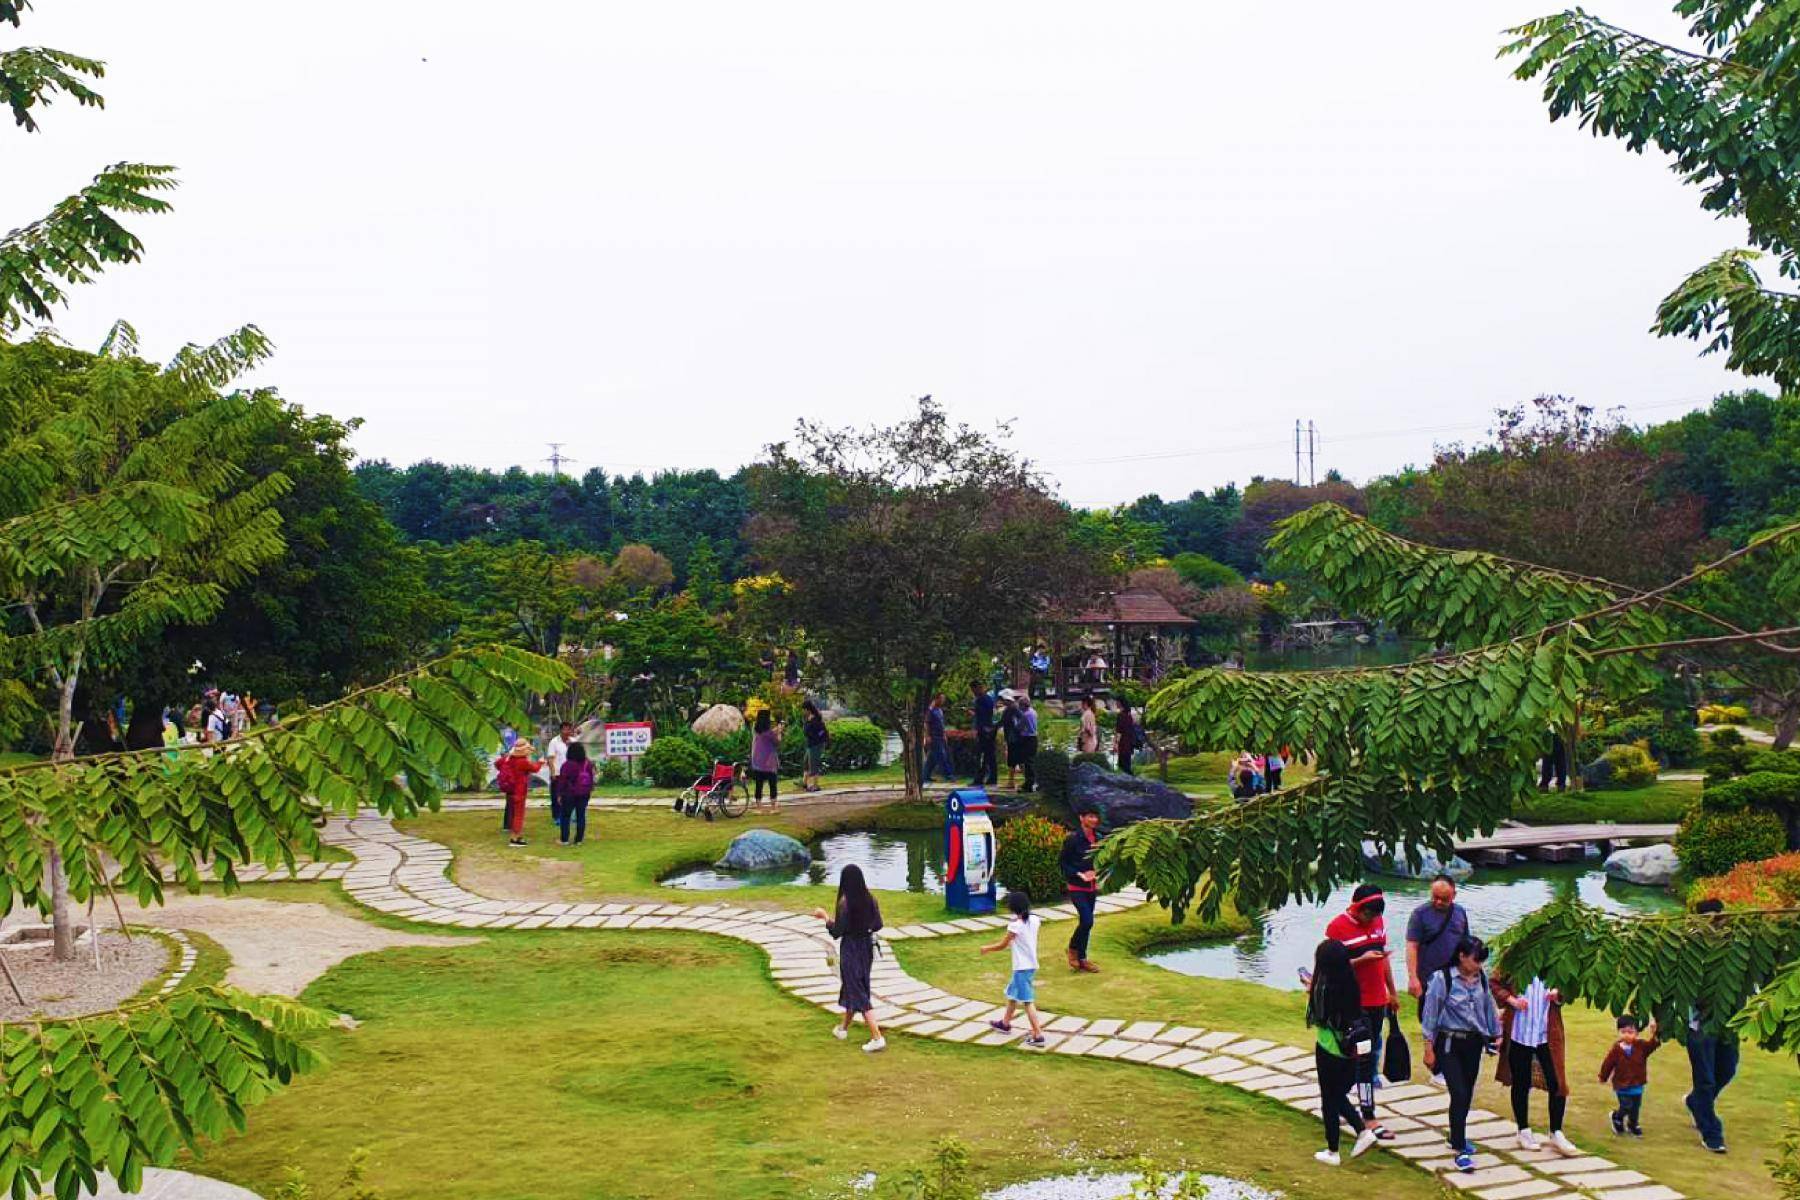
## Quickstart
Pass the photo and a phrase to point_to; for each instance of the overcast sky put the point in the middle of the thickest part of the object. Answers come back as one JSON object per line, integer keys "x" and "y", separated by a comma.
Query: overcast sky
{"x": 1153, "y": 234}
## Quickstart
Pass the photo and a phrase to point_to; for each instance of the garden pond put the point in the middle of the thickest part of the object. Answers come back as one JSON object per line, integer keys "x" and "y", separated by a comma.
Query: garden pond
{"x": 1283, "y": 940}
{"x": 911, "y": 861}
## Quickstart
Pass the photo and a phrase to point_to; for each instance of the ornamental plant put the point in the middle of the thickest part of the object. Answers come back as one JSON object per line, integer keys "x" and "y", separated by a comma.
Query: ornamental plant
{"x": 1028, "y": 857}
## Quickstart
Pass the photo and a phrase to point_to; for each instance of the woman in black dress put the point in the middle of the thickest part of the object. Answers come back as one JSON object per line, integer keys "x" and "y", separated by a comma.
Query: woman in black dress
{"x": 854, "y": 925}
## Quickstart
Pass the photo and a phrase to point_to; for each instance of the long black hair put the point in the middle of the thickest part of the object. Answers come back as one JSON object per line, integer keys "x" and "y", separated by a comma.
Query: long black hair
{"x": 1334, "y": 1000}
{"x": 857, "y": 911}
{"x": 577, "y": 753}
{"x": 764, "y": 722}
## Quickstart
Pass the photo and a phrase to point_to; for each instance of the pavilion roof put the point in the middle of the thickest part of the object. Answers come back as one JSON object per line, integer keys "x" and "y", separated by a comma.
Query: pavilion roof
{"x": 1133, "y": 606}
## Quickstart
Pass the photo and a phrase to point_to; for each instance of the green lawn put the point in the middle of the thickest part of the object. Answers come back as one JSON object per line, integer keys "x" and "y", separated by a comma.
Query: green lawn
{"x": 1664, "y": 801}
{"x": 596, "y": 1065}
{"x": 1128, "y": 988}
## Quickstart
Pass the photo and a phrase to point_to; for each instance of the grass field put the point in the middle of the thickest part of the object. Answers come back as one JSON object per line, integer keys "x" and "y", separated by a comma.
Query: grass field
{"x": 601, "y": 1065}
{"x": 1666, "y": 800}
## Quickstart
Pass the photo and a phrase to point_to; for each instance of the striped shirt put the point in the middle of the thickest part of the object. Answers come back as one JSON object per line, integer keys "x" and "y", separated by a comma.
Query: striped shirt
{"x": 1531, "y": 1024}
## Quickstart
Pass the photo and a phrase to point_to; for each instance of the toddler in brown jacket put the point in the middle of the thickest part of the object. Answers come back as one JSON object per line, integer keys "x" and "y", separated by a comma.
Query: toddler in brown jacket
{"x": 1627, "y": 1065}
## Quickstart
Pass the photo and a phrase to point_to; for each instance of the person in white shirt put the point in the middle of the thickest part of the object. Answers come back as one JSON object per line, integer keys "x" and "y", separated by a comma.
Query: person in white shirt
{"x": 555, "y": 755}
{"x": 1022, "y": 937}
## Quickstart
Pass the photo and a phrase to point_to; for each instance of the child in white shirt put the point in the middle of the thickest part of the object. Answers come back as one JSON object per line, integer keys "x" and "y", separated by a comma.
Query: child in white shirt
{"x": 1022, "y": 937}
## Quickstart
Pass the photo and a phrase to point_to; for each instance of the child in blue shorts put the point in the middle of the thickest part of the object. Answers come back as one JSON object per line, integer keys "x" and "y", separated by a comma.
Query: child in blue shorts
{"x": 1022, "y": 936}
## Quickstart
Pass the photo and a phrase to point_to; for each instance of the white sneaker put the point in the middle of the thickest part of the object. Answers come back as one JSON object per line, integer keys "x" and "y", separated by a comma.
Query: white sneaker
{"x": 1328, "y": 1157}
{"x": 1527, "y": 1140}
{"x": 839, "y": 1032}
{"x": 1364, "y": 1140}
{"x": 874, "y": 1044}
{"x": 1563, "y": 1145}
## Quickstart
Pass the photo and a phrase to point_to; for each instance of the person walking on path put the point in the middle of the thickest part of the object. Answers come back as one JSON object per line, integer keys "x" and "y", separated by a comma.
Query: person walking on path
{"x": 1027, "y": 726}
{"x": 1531, "y": 1035}
{"x": 1627, "y": 1066}
{"x": 1432, "y": 934}
{"x": 1460, "y": 1020}
{"x": 765, "y": 757}
{"x": 576, "y": 780}
{"x": 854, "y": 924}
{"x": 1555, "y": 763}
{"x": 1334, "y": 1010}
{"x": 1087, "y": 739}
{"x": 987, "y": 764}
{"x": 1077, "y": 862}
{"x": 1713, "y": 1063}
{"x": 816, "y": 737}
{"x": 1022, "y": 938}
{"x": 555, "y": 755}
{"x": 1125, "y": 737}
{"x": 1273, "y": 765}
{"x": 1362, "y": 930}
{"x": 1009, "y": 735}
{"x": 514, "y": 772}
{"x": 937, "y": 742}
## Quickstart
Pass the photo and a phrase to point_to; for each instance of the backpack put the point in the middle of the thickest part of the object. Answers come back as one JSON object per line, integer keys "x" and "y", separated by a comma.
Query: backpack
{"x": 583, "y": 783}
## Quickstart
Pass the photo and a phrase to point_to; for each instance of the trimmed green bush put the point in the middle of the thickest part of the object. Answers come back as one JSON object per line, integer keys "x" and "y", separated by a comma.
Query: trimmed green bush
{"x": 1759, "y": 789}
{"x": 1711, "y": 842}
{"x": 1105, "y": 762}
{"x": 1782, "y": 762}
{"x": 855, "y": 745}
{"x": 611, "y": 770}
{"x": 1052, "y": 770}
{"x": 1632, "y": 766}
{"x": 675, "y": 761}
{"x": 1029, "y": 858}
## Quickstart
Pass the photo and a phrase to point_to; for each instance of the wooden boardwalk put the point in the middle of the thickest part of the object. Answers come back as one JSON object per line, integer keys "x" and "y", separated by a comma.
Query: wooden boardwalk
{"x": 1527, "y": 837}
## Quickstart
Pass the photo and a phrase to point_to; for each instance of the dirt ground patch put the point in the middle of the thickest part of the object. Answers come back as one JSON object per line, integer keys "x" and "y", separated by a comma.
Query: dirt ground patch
{"x": 71, "y": 989}
{"x": 276, "y": 946}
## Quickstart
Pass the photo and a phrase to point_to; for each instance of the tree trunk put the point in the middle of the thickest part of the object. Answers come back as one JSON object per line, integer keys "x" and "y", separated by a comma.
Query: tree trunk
{"x": 912, "y": 751}
{"x": 1787, "y": 723}
{"x": 62, "y": 927}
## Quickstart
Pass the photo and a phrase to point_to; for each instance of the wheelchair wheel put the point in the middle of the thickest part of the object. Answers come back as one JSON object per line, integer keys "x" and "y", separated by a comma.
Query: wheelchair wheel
{"x": 688, "y": 802}
{"x": 734, "y": 803}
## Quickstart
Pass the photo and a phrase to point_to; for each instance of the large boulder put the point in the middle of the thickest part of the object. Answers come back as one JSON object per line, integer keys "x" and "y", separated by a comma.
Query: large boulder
{"x": 1651, "y": 866}
{"x": 1125, "y": 799}
{"x": 763, "y": 850}
{"x": 721, "y": 720}
{"x": 1430, "y": 866}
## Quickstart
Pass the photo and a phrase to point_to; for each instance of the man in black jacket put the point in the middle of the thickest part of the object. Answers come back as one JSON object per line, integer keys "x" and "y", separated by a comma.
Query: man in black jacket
{"x": 1078, "y": 873}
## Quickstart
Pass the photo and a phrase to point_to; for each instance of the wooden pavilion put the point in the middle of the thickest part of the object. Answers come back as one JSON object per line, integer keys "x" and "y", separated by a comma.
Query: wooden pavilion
{"x": 1134, "y": 634}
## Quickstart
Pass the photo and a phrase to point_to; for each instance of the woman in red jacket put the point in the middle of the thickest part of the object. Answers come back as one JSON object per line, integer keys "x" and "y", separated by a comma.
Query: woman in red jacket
{"x": 514, "y": 771}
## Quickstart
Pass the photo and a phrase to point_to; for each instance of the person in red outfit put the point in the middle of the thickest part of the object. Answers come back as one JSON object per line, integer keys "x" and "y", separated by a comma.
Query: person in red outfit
{"x": 514, "y": 771}
{"x": 1363, "y": 932}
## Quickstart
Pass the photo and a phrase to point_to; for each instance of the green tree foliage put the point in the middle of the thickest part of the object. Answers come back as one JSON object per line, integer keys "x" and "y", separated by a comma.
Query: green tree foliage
{"x": 671, "y": 659}
{"x": 81, "y": 235}
{"x": 1197, "y": 570}
{"x": 1200, "y": 524}
{"x": 1764, "y": 593}
{"x": 1741, "y": 456}
{"x": 1723, "y": 112}
{"x": 1118, "y": 539}
{"x": 901, "y": 549}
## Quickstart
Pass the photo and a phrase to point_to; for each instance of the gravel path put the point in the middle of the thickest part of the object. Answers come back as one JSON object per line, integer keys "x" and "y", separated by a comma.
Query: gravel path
{"x": 1118, "y": 1187}
{"x": 72, "y": 989}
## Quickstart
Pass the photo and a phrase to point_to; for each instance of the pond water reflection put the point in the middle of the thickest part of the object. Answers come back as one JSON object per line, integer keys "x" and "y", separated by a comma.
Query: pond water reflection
{"x": 893, "y": 862}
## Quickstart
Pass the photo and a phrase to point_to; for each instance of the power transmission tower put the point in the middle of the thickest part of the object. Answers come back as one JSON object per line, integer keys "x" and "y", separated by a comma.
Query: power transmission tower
{"x": 1296, "y": 451}
{"x": 1312, "y": 455}
{"x": 557, "y": 458}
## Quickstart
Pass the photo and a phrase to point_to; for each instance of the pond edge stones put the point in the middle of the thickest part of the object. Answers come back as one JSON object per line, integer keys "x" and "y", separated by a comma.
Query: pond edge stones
{"x": 1649, "y": 866}
{"x": 763, "y": 850}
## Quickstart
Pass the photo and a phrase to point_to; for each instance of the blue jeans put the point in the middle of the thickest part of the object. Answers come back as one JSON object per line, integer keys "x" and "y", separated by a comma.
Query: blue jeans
{"x": 1084, "y": 922}
{"x": 1714, "y": 1061}
{"x": 937, "y": 759}
{"x": 573, "y": 808}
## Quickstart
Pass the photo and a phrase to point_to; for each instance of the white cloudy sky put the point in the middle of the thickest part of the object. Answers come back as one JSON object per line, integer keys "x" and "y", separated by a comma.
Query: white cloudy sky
{"x": 1154, "y": 234}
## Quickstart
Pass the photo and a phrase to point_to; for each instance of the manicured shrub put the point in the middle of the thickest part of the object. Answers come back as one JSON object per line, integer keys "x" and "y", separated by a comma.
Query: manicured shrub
{"x": 1632, "y": 766}
{"x": 730, "y": 747}
{"x": 1028, "y": 858}
{"x": 1766, "y": 883}
{"x": 611, "y": 770}
{"x": 1759, "y": 789}
{"x": 1670, "y": 736}
{"x": 855, "y": 745}
{"x": 1052, "y": 770}
{"x": 675, "y": 761}
{"x": 1723, "y": 714}
{"x": 1712, "y": 843}
{"x": 1782, "y": 762}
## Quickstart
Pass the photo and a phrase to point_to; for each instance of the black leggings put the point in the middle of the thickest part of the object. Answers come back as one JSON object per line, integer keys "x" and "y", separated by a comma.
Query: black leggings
{"x": 1518, "y": 1062}
{"x": 1336, "y": 1075}
{"x": 773, "y": 781}
{"x": 1459, "y": 1058}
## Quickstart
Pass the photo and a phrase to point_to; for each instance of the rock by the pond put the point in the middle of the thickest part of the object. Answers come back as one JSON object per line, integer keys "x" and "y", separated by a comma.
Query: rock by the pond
{"x": 763, "y": 850}
{"x": 721, "y": 720}
{"x": 1394, "y": 863}
{"x": 1125, "y": 799}
{"x": 1652, "y": 866}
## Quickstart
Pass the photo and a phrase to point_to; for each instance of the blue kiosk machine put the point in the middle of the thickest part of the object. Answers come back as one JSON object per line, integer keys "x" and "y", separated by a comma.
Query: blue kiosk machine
{"x": 968, "y": 852}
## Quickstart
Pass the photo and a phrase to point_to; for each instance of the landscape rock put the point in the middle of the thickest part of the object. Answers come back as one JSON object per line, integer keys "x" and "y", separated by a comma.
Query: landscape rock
{"x": 763, "y": 850}
{"x": 1395, "y": 864}
{"x": 721, "y": 720}
{"x": 1125, "y": 799}
{"x": 1651, "y": 866}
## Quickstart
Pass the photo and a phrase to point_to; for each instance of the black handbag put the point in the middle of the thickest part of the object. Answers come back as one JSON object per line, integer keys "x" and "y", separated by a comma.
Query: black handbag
{"x": 1396, "y": 1056}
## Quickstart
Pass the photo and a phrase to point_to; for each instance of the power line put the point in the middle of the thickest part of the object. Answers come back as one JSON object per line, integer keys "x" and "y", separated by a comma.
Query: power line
{"x": 557, "y": 458}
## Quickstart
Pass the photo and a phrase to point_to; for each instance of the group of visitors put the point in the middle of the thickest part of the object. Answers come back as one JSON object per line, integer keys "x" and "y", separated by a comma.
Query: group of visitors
{"x": 217, "y": 716}
{"x": 568, "y": 770}
{"x": 1005, "y": 716}
{"x": 1466, "y": 1014}
{"x": 1254, "y": 774}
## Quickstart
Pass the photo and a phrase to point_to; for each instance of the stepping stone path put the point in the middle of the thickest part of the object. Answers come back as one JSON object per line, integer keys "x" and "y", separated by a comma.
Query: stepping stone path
{"x": 405, "y": 876}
